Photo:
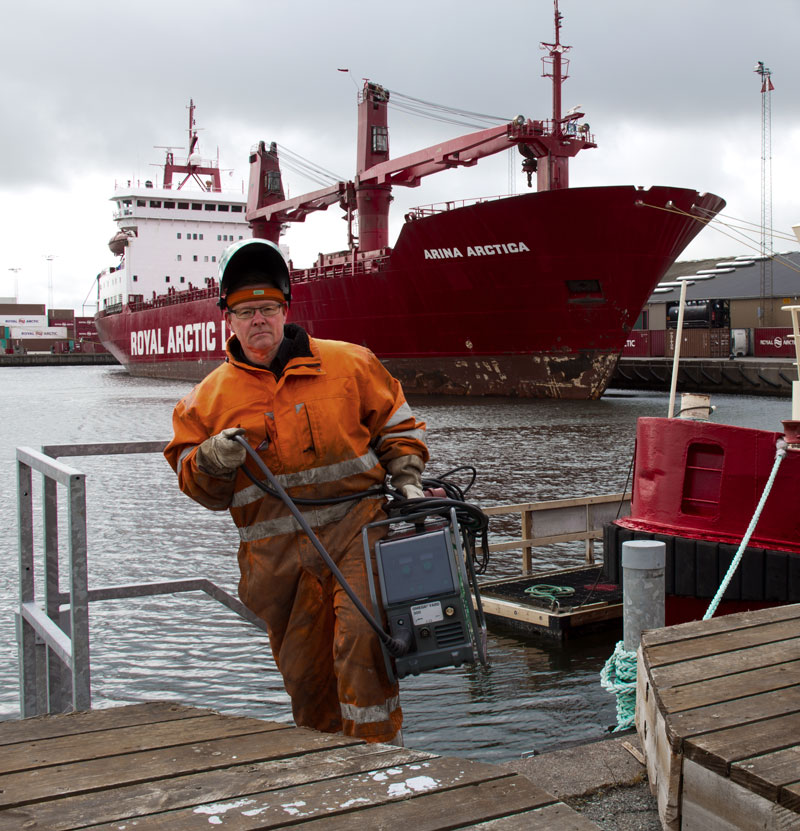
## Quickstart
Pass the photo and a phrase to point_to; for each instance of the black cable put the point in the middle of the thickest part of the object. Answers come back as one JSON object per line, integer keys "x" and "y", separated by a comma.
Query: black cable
{"x": 396, "y": 647}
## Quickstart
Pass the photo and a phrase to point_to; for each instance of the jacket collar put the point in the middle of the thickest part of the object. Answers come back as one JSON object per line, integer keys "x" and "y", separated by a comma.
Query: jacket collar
{"x": 296, "y": 350}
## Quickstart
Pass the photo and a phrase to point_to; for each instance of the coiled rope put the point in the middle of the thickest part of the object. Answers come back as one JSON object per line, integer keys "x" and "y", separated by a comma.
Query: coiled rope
{"x": 780, "y": 455}
{"x": 545, "y": 591}
{"x": 618, "y": 676}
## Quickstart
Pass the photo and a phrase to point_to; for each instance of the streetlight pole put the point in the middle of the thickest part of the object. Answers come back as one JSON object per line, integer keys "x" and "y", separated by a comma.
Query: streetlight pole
{"x": 50, "y": 258}
{"x": 15, "y": 271}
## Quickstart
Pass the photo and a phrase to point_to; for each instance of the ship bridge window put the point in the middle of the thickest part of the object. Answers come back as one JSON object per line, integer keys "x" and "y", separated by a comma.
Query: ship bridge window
{"x": 169, "y": 204}
{"x": 702, "y": 479}
{"x": 380, "y": 139}
{"x": 140, "y": 203}
{"x": 155, "y": 203}
{"x": 237, "y": 209}
{"x": 183, "y": 206}
{"x": 222, "y": 208}
{"x": 196, "y": 206}
{"x": 211, "y": 207}
{"x": 584, "y": 290}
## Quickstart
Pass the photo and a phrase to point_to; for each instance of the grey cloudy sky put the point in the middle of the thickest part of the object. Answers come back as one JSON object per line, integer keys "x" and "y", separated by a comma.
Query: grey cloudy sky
{"x": 90, "y": 88}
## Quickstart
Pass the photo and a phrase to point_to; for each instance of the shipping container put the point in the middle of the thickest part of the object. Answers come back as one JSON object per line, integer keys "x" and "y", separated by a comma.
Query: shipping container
{"x": 695, "y": 343}
{"x": 65, "y": 315}
{"x": 773, "y": 342}
{"x": 84, "y": 328}
{"x": 637, "y": 344}
{"x": 720, "y": 343}
{"x": 39, "y": 332}
{"x": 22, "y": 309}
{"x": 39, "y": 321}
{"x": 658, "y": 343}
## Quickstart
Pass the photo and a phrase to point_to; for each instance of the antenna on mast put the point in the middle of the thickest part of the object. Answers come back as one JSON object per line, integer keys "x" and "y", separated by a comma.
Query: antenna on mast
{"x": 766, "y": 287}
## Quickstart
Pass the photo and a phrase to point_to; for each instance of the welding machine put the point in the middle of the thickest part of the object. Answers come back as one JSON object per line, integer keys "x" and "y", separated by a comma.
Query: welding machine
{"x": 426, "y": 594}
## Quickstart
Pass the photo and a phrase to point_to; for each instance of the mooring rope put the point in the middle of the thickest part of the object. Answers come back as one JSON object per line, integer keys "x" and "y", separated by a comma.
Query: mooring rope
{"x": 544, "y": 591}
{"x": 780, "y": 454}
{"x": 618, "y": 676}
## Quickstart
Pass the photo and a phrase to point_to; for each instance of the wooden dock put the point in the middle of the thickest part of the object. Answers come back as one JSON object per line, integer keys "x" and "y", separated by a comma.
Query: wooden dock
{"x": 588, "y": 605}
{"x": 718, "y": 713}
{"x": 167, "y": 766}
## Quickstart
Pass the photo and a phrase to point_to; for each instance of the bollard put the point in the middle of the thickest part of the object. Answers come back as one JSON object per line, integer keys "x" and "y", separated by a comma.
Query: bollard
{"x": 643, "y": 563}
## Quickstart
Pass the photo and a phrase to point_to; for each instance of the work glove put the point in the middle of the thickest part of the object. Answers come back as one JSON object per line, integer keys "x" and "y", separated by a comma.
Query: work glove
{"x": 406, "y": 475}
{"x": 221, "y": 455}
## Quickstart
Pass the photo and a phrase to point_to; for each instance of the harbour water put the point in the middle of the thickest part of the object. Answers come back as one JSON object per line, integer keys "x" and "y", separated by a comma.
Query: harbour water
{"x": 534, "y": 695}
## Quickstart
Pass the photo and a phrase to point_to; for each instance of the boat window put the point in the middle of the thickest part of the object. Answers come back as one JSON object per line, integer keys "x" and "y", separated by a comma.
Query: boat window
{"x": 222, "y": 208}
{"x": 219, "y": 237}
{"x": 702, "y": 480}
{"x": 135, "y": 278}
{"x": 180, "y": 257}
{"x": 179, "y": 234}
{"x": 237, "y": 209}
{"x": 196, "y": 206}
{"x": 211, "y": 207}
{"x": 380, "y": 139}
{"x": 183, "y": 279}
{"x": 194, "y": 236}
{"x": 183, "y": 206}
{"x": 155, "y": 203}
{"x": 140, "y": 203}
{"x": 169, "y": 204}
{"x": 201, "y": 236}
{"x": 205, "y": 259}
{"x": 195, "y": 258}
{"x": 166, "y": 279}
{"x": 213, "y": 259}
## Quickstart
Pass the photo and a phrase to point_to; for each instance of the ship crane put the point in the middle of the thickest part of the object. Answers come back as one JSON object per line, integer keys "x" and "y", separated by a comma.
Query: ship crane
{"x": 547, "y": 146}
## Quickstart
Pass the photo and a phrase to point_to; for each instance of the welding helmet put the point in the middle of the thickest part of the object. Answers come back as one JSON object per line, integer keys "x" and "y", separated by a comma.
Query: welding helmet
{"x": 251, "y": 261}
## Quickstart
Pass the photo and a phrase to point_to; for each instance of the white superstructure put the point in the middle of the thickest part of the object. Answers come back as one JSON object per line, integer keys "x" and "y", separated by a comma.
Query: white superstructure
{"x": 168, "y": 241}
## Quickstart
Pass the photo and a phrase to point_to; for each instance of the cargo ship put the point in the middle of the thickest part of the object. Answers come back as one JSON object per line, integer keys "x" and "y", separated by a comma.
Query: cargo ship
{"x": 528, "y": 295}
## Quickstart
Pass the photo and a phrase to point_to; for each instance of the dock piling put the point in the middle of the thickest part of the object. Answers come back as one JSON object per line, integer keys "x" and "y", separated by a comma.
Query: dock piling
{"x": 643, "y": 565}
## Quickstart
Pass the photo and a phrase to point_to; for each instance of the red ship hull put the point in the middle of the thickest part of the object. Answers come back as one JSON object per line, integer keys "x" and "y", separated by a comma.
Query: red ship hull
{"x": 530, "y": 295}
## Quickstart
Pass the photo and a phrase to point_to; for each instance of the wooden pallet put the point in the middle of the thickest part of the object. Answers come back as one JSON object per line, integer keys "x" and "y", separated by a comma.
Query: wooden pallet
{"x": 166, "y": 766}
{"x": 506, "y": 605}
{"x": 718, "y": 713}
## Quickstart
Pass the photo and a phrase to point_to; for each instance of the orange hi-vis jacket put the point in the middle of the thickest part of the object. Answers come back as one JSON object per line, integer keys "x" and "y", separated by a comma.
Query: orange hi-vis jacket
{"x": 326, "y": 428}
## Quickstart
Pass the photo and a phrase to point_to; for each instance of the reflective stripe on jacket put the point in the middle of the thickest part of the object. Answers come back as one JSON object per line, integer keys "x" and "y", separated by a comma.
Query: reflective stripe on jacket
{"x": 325, "y": 428}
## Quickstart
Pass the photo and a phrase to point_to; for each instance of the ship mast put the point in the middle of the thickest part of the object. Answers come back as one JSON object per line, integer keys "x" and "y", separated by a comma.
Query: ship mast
{"x": 193, "y": 169}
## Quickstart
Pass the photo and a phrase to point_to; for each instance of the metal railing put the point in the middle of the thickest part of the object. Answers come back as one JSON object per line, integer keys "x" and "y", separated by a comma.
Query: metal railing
{"x": 53, "y": 639}
{"x": 561, "y": 520}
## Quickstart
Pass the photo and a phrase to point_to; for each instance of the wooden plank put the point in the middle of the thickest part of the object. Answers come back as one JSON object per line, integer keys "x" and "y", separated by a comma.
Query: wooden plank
{"x": 131, "y": 768}
{"x": 737, "y": 685}
{"x": 64, "y": 749}
{"x": 755, "y": 708}
{"x": 233, "y": 781}
{"x": 717, "y": 751}
{"x": 714, "y": 644}
{"x": 663, "y": 765}
{"x": 790, "y": 797}
{"x": 766, "y": 775}
{"x": 450, "y": 809}
{"x": 70, "y": 724}
{"x": 394, "y": 785}
{"x": 716, "y": 666}
{"x": 558, "y": 817}
{"x": 725, "y": 623}
{"x": 713, "y": 803}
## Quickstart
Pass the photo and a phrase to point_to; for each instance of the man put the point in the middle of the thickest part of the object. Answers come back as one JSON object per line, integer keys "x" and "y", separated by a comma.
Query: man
{"x": 329, "y": 421}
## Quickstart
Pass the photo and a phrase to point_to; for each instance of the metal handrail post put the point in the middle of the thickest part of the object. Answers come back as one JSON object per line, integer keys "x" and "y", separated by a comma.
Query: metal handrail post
{"x": 79, "y": 594}
{"x": 29, "y": 704}
{"x": 58, "y": 685}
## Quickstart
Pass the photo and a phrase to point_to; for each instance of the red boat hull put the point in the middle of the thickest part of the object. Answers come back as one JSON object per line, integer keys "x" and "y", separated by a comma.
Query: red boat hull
{"x": 531, "y": 295}
{"x": 696, "y": 488}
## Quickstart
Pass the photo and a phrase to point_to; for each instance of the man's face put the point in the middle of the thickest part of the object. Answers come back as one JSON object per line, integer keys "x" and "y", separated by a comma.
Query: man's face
{"x": 261, "y": 334}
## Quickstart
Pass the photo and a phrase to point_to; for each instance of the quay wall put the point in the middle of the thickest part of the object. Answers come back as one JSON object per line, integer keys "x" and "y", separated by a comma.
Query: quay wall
{"x": 70, "y": 359}
{"x": 732, "y": 376}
